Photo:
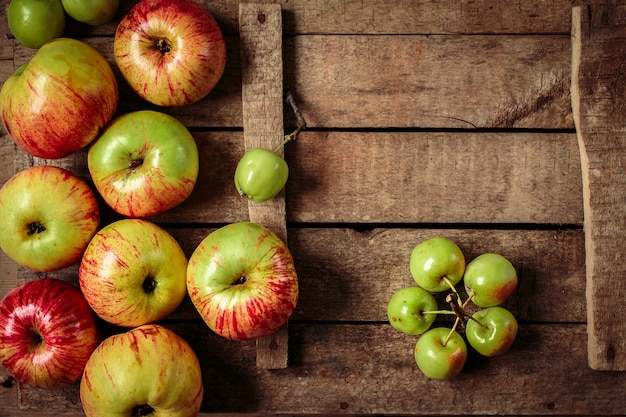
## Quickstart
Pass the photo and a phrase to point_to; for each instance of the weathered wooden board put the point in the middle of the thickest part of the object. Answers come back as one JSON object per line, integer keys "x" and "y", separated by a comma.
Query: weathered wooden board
{"x": 599, "y": 103}
{"x": 429, "y": 177}
{"x": 426, "y": 117}
{"x": 385, "y": 17}
{"x": 354, "y": 281}
{"x": 261, "y": 47}
{"x": 402, "y": 81}
{"x": 370, "y": 370}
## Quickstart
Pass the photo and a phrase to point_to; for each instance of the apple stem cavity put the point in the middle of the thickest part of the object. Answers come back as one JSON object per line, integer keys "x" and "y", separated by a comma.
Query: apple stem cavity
{"x": 35, "y": 340}
{"x": 142, "y": 410}
{"x": 35, "y": 227}
{"x": 134, "y": 164}
{"x": 149, "y": 285}
{"x": 163, "y": 46}
{"x": 240, "y": 281}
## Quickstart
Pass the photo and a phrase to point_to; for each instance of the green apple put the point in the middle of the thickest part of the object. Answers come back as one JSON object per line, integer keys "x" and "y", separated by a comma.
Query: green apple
{"x": 490, "y": 279}
{"x": 260, "y": 174}
{"x": 242, "y": 280}
{"x": 91, "y": 12}
{"x": 146, "y": 371}
{"x": 437, "y": 263}
{"x": 48, "y": 215}
{"x": 144, "y": 163}
{"x": 35, "y": 22}
{"x": 491, "y": 331}
{"x": 133, "y": 272}
{"x": 440, "y": 354}
{"x": 412, "y": 310}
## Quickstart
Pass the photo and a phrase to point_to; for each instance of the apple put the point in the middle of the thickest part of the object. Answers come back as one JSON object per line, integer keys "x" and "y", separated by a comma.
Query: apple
{"x": 440, "y": 353}
{"x": 490, "y": 279}
{"x": 436, "y": 264}
{"x": 47, "y": 333}
{"x": 412, "y": 310}
{"x": 133, "y": 272}
{"x": 242, "y": 280}
{"x": 144, "y": 163}
{"x": 146, "y": 371}
{"x": 35, "y": 22}
{"x": 171, "y": 53}
{"x": 91, "y": 12}
{"x": 491, "y": 331}
{"x": 48, "y": 215}
{"x": 56, "y": 104}
{"x": 260, "y": 174}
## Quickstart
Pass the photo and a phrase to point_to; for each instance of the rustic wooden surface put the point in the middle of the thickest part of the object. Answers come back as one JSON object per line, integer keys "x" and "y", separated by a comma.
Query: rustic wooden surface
{"x": 599, "y": 107}
{"x": 261, "y": 46}
{"x": 424, "y": 118}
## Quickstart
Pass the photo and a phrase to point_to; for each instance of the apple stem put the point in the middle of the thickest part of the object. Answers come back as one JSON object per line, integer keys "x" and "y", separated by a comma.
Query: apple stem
{"x": 452, "y": 330}
{"x": 484, "y": 326}
{"x": 449, "y": 312}
{"x": 468, "y": 300}
{"x": 300, "y": 122}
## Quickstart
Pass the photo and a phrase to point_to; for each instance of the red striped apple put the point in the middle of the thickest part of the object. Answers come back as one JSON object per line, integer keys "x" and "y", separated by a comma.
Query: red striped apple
{"x": 242, "y": 280}
{"x": 47, "y": 333}
{"x": 57, "y": 103}
{"x": 171, "y": 53}
{"x": 147, "y": 371}
{"x": 144, "y": 163}
{"x": 133, "y": 273}
{"x": 48, "y": 215}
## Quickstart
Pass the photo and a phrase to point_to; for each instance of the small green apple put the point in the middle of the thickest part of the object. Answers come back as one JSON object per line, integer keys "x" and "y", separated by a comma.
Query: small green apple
{"x": 491, "y": 331}
{"x": 439, "y": 356}
{"x": 260, "y": 174}
{"x": 35, "y": 22}
{"x": 91, "y": 12}
{"x": 407, "y": 307}
{"x": 437, "y": 263}
{"x": 490, "y": 279}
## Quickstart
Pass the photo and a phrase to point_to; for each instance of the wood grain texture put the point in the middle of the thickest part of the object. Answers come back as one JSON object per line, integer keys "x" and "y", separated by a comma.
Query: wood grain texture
{"x": 370, "y": 370}
{"x": 404, "y": 81}
{"x": 599, "y": 48}
{"x": 392, "y": 177}
{"x": 354, "y": 281}
{"x": 261, "y": 47}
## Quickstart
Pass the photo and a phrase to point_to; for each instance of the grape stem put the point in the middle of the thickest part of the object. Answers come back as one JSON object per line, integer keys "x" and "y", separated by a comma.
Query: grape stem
{"x": 300, "y": 121}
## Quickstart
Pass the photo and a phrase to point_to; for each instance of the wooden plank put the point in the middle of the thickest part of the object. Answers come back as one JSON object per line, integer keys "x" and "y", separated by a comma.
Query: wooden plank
{"x": 349, "y": 275}
{"x": 433, "y": 177}
{"x": 598, "y": 85}
{"x": 394, "y": 177}
{"x": 369, "y": 369}
{"x": 402, "y": 81}
{"x": 392, "y": 17}
{"x": 262, "y": 97}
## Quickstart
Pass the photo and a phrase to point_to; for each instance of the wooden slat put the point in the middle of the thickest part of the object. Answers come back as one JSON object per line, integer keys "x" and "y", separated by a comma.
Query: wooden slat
{"x": 394, "y": 177}
{"x": 599, "y": 103}
{"x": 399, "y": 81}
{"x": 356, "y": 272}
{"x": 369, "y": 369}
{"x": 262, "y": 96}
{"x": 392, "y": 17}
